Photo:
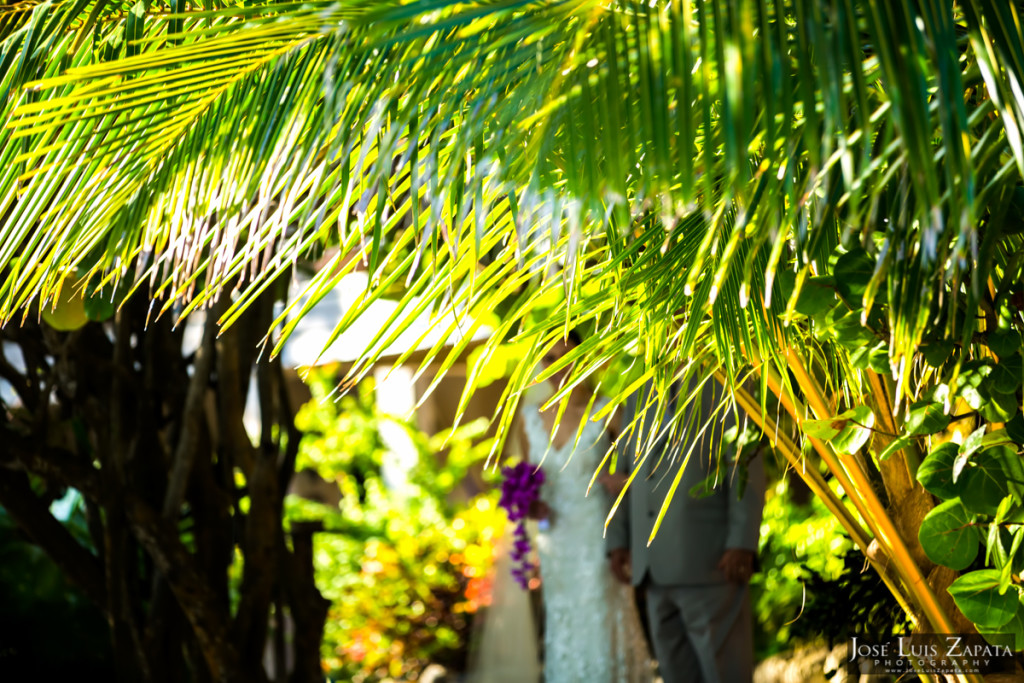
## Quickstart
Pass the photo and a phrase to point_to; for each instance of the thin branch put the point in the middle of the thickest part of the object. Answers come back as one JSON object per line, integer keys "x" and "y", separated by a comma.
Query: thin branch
{"x": 235, "y": 446}
{"x": 262, "y": 539}
{"x": 287, "y": 420}
{"x": 854, "y": 480}
{"x": 872, "y": 429}
{"x": 55, "y": 464}
{"x": 185, "y": 453}
{"x": 196, "y": 598}
{"x": 22, "y": 386}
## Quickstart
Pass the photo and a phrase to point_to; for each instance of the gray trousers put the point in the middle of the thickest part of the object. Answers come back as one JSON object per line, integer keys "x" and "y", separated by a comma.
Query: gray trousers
{"x": 702, "y": 634}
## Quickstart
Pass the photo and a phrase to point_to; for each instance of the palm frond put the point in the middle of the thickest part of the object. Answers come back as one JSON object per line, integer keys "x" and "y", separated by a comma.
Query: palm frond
{"x": 680, "y": 176}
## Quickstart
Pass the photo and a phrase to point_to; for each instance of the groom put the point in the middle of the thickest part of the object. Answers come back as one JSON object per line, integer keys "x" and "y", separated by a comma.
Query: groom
{"x": 697, "y": 569}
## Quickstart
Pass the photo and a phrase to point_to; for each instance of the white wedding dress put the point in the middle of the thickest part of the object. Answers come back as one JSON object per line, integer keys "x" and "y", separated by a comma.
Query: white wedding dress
{"x": 592, "y": 632}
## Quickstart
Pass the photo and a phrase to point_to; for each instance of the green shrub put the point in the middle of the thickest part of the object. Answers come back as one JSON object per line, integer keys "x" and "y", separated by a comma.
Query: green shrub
{"x": 814, "y": 585}
{"x": 404, "y": 570}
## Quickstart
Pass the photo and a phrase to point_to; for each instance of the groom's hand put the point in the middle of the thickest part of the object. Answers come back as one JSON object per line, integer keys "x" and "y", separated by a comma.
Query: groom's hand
{"x": 539, "y": 510}
{"x": 620, "y": 561}
{"x": 737, "y": 565}
{"x": 613, "y": 483}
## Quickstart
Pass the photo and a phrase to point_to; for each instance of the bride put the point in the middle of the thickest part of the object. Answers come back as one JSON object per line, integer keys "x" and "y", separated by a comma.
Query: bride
{"x": 592, "y": 630}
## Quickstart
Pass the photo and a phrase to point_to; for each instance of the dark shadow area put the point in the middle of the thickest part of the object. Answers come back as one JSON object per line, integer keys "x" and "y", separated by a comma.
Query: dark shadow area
{"x": 49, "y": 630}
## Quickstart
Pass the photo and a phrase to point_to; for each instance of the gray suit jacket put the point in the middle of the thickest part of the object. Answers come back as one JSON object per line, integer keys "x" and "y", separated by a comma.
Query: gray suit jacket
{"x": 695, "y": 531}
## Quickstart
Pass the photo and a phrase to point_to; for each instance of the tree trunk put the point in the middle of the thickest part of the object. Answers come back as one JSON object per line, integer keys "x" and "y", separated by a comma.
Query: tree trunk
{"x": 153, "y": 438}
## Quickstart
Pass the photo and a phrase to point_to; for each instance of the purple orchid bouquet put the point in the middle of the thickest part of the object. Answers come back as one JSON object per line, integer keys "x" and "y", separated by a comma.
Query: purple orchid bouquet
{"x": 519, "y": 490}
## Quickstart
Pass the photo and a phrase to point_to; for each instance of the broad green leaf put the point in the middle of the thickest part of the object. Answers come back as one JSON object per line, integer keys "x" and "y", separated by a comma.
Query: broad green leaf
{"x": 1015, "y": 428}
{"x": 995, "y": 551}
{"x": 999, "y": 407}
{"x": 1016, "y": 563}
{"x": 853, "y": 272}
{"x": 823, "y": 429}
{"x": 970, "y": 383}
{"x": 978, "y": 597}
{"x": 971, "y": 445}
{"x": 935, "y": 473}
{"x": 1004, "y": 510}
{"x": 857, "y": 432}
{"x": 894, "y": 446}
{"x": 66, "y": 313}
{"x": 983, "y": 484}
{"x": 100, "y": 305}
{"x": 947, "y": 536}
{"x": 937, "y": 353}
{"x": 99, "y": 309}
{"x": 937, "y": 394}
{"x": 1007, "y": 374}
{"x": 875, "y": 357}
{"x": 817, "y": 296}
{"x": 1011, "y": 464}
{"x": 998, "y": 437}
{"x": 926, "y": 418}
{"x": 847, "y": 432}
{"x": 997, "y": 635}
{"x": 704, "y": 488}
{"x": 979, "y": 385}
{"x": 1002, "y": 548}
{"x": 847, "y": 330}
{"x": 1004, "y": 342}
{"x": 786, "y": 284}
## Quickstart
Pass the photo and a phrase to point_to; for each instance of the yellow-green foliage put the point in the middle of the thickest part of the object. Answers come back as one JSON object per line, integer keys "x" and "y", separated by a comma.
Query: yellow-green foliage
{"x": 404, "y": 572}
{"x": 794, "y": 538}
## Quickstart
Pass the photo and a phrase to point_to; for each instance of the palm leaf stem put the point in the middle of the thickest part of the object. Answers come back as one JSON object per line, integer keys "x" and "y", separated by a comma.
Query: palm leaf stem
{"x": 798, "y": 412}
{"x": 915, "y": 590}
{"x": 785, "y": 446}
{"x": 887, "y": 413}
{"x": 859, "y": 488}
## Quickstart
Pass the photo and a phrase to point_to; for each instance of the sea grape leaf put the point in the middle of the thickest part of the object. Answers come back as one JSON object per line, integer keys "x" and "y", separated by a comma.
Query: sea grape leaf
{"x": 1014, "y": 627}
{"x": 817, "y": 296}
{"x": 947, "y": 536}
{"x": 1004, "y": 342}
{"x": 935, "y": 473}
{"x": 977, "y": 595}
{"x": 937, "y": 353}
{"x": 969, "y": 384}
{"x": 853, "y": 271}
{"x": 1006, "y": 376}
{"x": 984, "y": 483}
{"x": 926, "y": 418}
{"x": 847, "y": 432}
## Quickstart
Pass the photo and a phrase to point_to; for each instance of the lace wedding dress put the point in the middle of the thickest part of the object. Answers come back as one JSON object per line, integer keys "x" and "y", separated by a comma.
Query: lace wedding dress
{"x": 592, "y": 632}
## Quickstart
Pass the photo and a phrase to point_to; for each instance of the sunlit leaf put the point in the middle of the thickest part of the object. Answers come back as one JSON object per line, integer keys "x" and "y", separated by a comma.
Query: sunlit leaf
{"x": 947, "y": 536}
{"x": 978, "y": 597}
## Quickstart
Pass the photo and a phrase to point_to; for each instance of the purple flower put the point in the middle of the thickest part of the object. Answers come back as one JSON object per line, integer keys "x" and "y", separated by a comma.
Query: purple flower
{"x": 519, "y": 489}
